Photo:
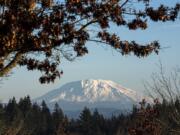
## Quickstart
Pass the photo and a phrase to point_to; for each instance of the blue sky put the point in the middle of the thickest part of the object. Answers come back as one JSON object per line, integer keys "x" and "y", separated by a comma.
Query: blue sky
{"x": 103, "y": 62}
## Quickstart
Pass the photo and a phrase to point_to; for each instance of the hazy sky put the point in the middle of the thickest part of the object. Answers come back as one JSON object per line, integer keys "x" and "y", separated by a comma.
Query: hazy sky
{"x": 102, "y": 62}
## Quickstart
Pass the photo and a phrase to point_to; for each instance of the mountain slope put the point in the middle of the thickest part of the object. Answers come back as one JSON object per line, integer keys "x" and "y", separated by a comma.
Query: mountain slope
{"x": 93, "y": 94}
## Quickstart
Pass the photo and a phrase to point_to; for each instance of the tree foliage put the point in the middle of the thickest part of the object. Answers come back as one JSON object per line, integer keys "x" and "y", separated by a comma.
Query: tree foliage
{"x": 31, "y": 119}
{"x": 57, "y": 29}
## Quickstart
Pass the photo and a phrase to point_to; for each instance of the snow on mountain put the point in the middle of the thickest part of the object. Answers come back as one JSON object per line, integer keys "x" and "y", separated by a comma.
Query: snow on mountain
{"x": 93, "y": 94}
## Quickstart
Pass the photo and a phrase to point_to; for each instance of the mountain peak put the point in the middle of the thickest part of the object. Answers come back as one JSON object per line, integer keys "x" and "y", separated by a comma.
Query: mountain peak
{"x": 106, "y": 94}
{"x": 92, "y": 91}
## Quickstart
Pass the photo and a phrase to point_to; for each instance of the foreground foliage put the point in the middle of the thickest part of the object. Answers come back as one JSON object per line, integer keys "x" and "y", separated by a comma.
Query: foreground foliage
{"x": 25, "y": 118}
{"x": 55, "y": 29}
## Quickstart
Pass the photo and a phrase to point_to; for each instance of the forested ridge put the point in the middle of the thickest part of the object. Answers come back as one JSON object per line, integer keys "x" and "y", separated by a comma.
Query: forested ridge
{"x": 27, "y": 118}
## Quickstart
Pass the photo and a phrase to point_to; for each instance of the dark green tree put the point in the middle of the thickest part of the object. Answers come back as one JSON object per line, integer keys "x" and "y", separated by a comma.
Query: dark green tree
{"x": 14, "y": 118}
{"x": 47, "y": 126}
{"x": 12, "y": 110}
{"x": 36, "y": 119}
{"x": 85, "y": 122}
{"x": 25, "y": 104}
{"x": 2, "y": 118}
{"x": 97, "y": 123}
{"x": 57, "y": 116}
{"x": 62, "y": 127}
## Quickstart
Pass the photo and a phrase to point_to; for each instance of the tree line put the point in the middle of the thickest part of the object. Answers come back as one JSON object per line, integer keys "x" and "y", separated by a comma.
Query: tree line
{"x": 27, "y": 118}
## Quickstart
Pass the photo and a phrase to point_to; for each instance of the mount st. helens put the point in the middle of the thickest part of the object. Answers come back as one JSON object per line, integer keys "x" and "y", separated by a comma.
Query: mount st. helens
{"x": 105, "y": 95}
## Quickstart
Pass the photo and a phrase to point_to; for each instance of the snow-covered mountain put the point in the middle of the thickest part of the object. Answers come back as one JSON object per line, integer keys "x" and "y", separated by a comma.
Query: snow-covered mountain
{"x": 102, "y": 94}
